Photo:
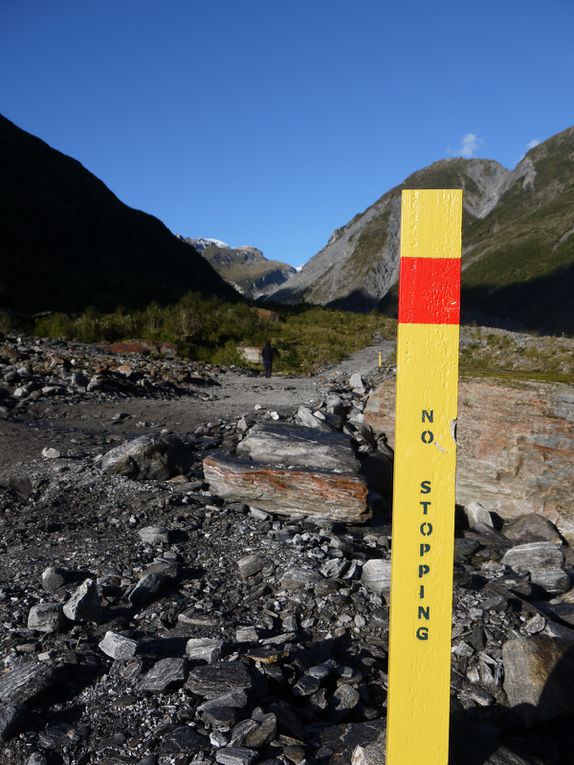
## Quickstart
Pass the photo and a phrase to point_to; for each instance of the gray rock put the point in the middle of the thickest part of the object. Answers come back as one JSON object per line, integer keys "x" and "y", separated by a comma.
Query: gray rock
{"x": 233, "y": 700}
{"x": 183, "y": 739}
{"x": 477, "y": 516}
{"x": 24, "y": 682}
{"x": 306, "y": 417}
{"x": 229, "y": 755}
{"x": 49, "y": 453}
{"x": 117, "y": 646}
{"x": 11, "y": 719}
{"x": 544, "y": 561}
{"x": 37, "y": 758}
{"x": 166, "y": 674}
{"x": 147, "y": 588}
{"x": 53, "y": 578}
{"x": 281, "y": 443}
{"x": 299, "y": 578}
{"x": 154, "y": 535}
{"x": 538, "y": 677}
{"x": 532, "y": 528}
{"x": 356, "y": 383}
{"x": 149, "y": 458}
{"x": 345, "y": 699}
{"x": 85, "y": 604}
{"x": 220, "y": 678}
{"x": 250, "y": 565}
{"x": 46, "y": 617}
{"x": 376, "y": 575}
{"x": 257, "y": 732}
{"x": 204, "y": 649}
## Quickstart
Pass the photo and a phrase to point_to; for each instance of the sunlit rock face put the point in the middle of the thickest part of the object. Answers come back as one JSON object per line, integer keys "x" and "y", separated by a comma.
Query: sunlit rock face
{"x": 515, "y": 446}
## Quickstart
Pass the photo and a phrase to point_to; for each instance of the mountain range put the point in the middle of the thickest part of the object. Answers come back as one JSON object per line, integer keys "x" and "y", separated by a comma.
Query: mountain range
{"x": 68, "y": 243}
{"x": 518, "y": 242}
{"x": 245, "y": 268}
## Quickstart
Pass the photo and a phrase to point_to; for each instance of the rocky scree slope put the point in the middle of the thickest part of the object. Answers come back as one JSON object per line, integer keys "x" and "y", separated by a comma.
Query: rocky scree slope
{"x": 147, "y": 620}
{"x": 518, "y": 239}
{"x": 68, "y": 243}
{"x": 245, "y": 268}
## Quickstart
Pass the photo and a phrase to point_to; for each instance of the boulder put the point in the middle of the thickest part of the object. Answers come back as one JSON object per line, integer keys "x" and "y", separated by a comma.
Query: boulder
{"x": 313, "y": 492}
{"x": 538, "y": 677}
{"x": 281, "y": 443}
{"x": 149, "y": 458}
{"x": 515, "y": 445}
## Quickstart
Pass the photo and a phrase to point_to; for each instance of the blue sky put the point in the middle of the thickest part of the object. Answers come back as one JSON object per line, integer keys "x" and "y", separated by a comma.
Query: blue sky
{"x": 271, "y": 123}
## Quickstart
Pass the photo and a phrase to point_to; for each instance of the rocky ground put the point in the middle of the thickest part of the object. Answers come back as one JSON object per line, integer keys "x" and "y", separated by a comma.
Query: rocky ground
{"x": 150, "y": 612}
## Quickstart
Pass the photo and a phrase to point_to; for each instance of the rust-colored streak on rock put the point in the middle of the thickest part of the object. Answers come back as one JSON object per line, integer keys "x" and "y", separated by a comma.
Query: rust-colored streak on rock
{"x": 341, "y": 496}
{"x": 515, "y": 446}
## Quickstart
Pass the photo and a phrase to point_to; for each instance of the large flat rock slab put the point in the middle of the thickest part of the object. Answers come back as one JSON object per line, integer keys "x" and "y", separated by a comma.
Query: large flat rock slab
{"x": 283, "y": 443}
{"x": 515, "y": 446}
{"x": 314, "y": 492}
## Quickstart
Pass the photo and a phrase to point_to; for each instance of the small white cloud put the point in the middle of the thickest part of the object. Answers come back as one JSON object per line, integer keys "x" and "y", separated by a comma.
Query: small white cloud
{"x": 468, "y": 146}
{"x": 531, "y": 144}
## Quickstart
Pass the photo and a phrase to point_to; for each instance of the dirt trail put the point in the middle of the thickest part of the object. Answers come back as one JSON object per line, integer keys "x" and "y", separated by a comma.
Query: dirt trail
{"x": 87, "y": 426}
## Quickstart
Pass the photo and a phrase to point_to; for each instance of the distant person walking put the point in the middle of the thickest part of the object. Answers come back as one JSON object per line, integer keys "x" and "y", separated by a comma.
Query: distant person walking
{"x": 268, "y": 353}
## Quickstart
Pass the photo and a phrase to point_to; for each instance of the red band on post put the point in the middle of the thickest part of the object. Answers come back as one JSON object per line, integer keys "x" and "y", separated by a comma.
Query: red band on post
{"x": 429, "y": 291}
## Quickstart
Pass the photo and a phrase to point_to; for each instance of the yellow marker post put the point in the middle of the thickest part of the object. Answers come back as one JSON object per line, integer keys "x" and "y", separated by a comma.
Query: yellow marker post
{"x": 380, "y": 359}
{"x": 424, "y": 478}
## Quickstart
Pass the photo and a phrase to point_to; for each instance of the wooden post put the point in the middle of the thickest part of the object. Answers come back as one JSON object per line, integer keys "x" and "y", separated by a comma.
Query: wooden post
{"x": 424, "y": 478}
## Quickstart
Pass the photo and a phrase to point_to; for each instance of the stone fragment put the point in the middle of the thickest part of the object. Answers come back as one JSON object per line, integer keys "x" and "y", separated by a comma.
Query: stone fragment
{"x": 154, "y": 535}
{"x": 477, "y": 516}
{"x": 49, "y": 453}
{"x": 11, "y": 719}
{"x": 299, "y": 578}
{"x": 262, "y": 731}
{"x": 322, "y": 493}
{"x": 166, "y": 674}
{"x": 52, "y": 578}
{"x": 183, "y": 739}
{"x": 229, "y": 755}
{"x": 281, "y": 443}
{"x": 147, "y": 588}
{"x": 85, "y": 603}
{"x": 356, "y": 383}
{"x": 532, "y": 528}
{"x": 149, "y": 458}
{"x": 24, "y": 682}
{"x": 544, "y": 561}
{"x": 250, "y": 565}
{"x": 117, "y": 646}
{"x": 46, "y": 617}
{"x": 376, "y": 575}
{"x": 538, "y": 677}
{"x": 223, "y": 677}
{"x": 306, "y": 417}
{"x": 204, "y": 649}
{"x": 232, "y": 700}
{"x": 37, "y": 758}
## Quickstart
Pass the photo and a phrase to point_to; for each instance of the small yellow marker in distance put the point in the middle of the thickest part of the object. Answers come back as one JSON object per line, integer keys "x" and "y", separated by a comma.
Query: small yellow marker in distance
{"x": 424, "y": 478}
